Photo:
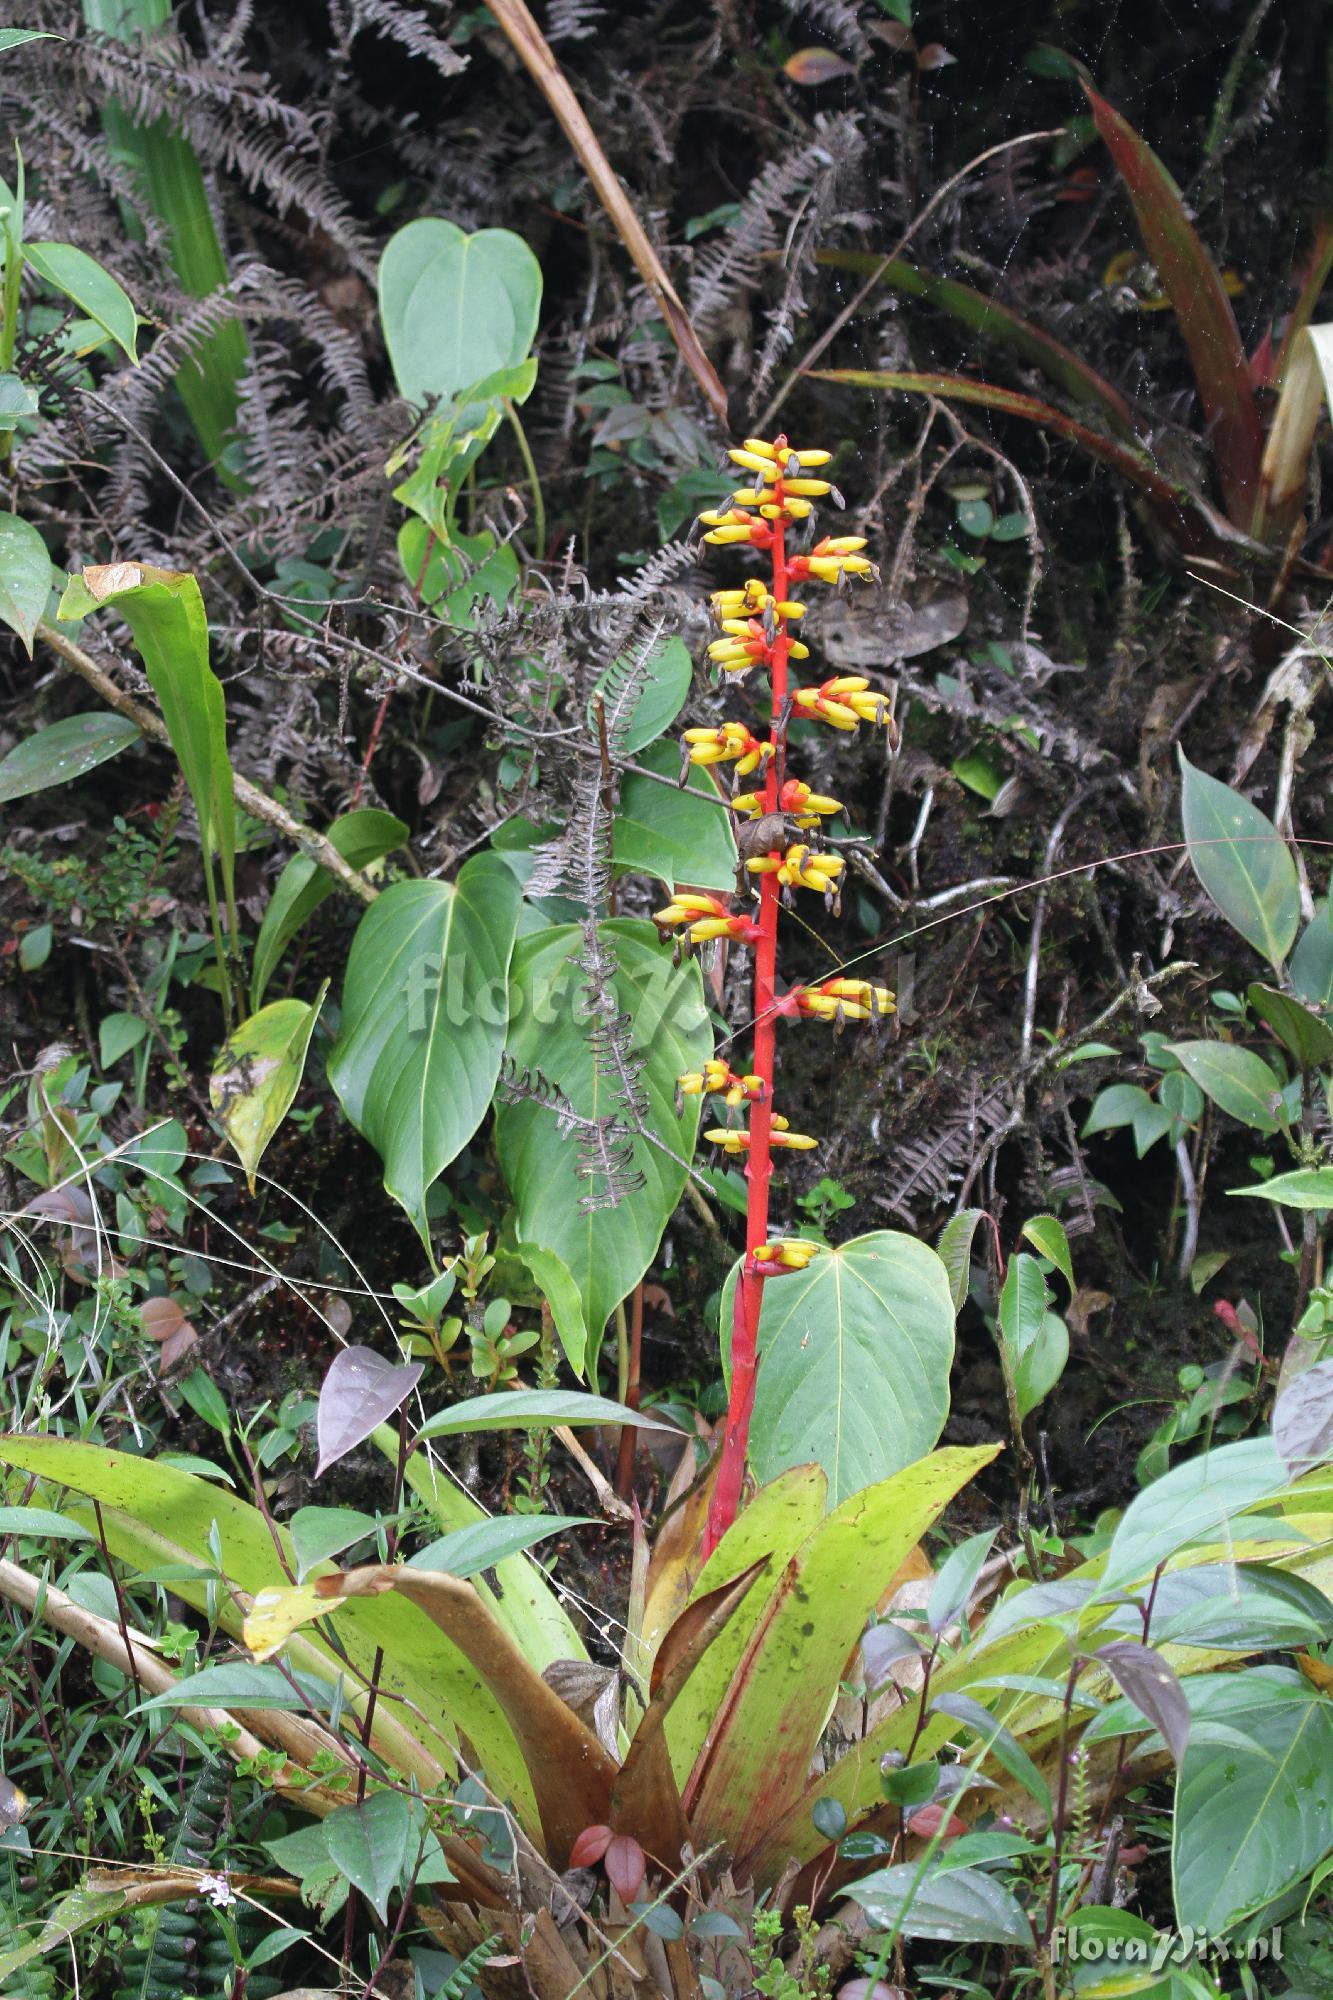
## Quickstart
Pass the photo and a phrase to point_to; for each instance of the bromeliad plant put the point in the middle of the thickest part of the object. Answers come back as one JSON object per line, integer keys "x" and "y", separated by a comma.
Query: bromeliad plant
{"x": 757, "y": 621}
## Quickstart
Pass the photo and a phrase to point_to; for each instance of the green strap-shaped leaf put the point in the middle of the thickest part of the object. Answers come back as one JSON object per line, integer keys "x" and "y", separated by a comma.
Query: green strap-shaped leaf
{"x": 425, "y": 1008}
{"x": 165, "y": 612}
{"x": 606, "y": 1251}
{"x": 258, "y": 1073}
{"x": 855, "y": 1353}
{"x": 1242, "y": 861}
{"x": 81, "y": 278}
{"x": 360, "y": 837}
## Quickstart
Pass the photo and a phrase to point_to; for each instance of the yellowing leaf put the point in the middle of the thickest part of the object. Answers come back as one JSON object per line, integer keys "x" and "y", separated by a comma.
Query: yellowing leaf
{"x": 276, "y": 1614}
{"x": 258, "y": 1073}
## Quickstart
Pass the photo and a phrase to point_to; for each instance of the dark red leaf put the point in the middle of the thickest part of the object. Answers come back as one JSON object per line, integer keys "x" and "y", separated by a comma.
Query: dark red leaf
{"x": 626, "y": 1865}
{"x": 926, "y": 1822}
{"x": 160, "y": 1318}
{"x": 935, "y": 56}
{"x": 1152, "y": 1686}
{"x": 815, "y": 66}
{"x": 590, "y": 1846}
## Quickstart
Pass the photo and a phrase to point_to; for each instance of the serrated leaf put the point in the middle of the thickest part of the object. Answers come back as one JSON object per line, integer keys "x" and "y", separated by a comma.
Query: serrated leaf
{"x": 258, "y": 1073}
{"x": 360, "y": 837}
{"x": 855, "y": 1353}
{"x": 954, "y": 1249}
{"x": 25, "y": 584}
{"x": 68, "y": 749}
{"x": 92, "y": 288}
{"x": 1242, "y": 862}
{"x": 1238, "y": 1081}
{"x": 606, "y": 1253}
{"x": 424, "y": 1013}
{"x": 456, "y": 308}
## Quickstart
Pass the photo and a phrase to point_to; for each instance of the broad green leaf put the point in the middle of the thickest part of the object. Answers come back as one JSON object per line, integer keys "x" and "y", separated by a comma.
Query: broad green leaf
{"x": 1035, "y": 1340}
{"x": 370, "y": 1842}
{"x": 165, "y": 613}
{"x": 1301, "y": 1033}
{"x": 455, "y": 307}
{"x": 855, "y": 1353}
{"x": 25, "y": 585}
{"x": 258, "y": 1073}
{"x": 1203, "y": 311}
{"x": 241, "y": 1684}
{"x": 360, "y": 837}
{"x": 117, "y": 1034}
{"x": 17, "y": 401}
{"x": 956, "y": 1579}
{"x": 93, "y": 289}
{"x": 1238, "y": 1081}
{"x": 1047, "y": 1236}
{"x": 756, "y": 1765}
{"x": 469, "y": 1550}
{"x": 42, "y": 1523}
{"x": 65, "y": 751}
{"x": 1242, "y": 862}
{"x": 1042, "y": 1364}
{"x": 1260, "y": 1796}
{"x": 660, "y": 699}
{"x": 954, "y": 1250}
{"x": 963, "y": 1905}
{"x": 1194, "y": 1502}
{"x": 1312, "y": 960}
{"x": 1119, "y": 1104}
{"x": 526, "y": 1409}
{"x": 156, "y": 1516}
{"x": 606, "y": 1252}
{"x": 520, "y": 1596}
{"x": 320, "y": 1532}
{"x": 678, "y": 835}
{"x": 424, "y": 1011}
{"x": 1306, "y": 1187}
{"x": 556, "y": 1284}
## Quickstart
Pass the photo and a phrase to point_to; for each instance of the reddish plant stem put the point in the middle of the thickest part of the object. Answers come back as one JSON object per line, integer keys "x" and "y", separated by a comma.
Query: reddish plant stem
{"x": 629, "y": 1436}
{"x": 749, "y": 1291}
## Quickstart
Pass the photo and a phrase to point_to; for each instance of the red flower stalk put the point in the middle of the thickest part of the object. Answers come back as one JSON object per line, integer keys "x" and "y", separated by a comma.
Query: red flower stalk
{"x": 756, "y": 623}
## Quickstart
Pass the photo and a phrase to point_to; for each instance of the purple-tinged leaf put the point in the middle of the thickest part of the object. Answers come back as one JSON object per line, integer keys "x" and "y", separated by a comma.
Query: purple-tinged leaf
{"x": 815, "y": 66}
{"x": 361, "y": 1390}
{"x": 1303, "y": 1419}
{"x": 1144, "y": 1676}
{"x": 1203, "y": 311}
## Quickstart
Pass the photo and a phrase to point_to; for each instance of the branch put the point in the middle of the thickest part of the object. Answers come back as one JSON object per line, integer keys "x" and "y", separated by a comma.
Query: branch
{"x": 248, "y": 796}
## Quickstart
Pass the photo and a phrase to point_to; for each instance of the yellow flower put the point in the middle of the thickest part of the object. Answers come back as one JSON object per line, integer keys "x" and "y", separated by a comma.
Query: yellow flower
{"x": 844, "y": 701}
{"x": 787, "y": 1254}
{"x": 831, "y": 559}
{"x": 840, "y": 999}
{"x": 732, "y": 742}
{"x": 718, "y": 1079}
{"x": 704, "y": 918}
{"x": 736, "y": 1140}
{"x": 779, "y": 449}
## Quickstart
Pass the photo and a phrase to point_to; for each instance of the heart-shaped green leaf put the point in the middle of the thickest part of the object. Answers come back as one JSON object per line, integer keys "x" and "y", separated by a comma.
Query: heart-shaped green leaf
{"x": 855, "y": 1354}
{"x": 425, "y": 1008}
{"x": 680, "y": 836}
{"x": 455, "y": 307}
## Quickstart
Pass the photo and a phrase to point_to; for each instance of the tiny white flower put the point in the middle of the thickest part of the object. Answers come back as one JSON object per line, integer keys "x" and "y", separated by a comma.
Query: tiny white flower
{"x": 218, "y": 1891}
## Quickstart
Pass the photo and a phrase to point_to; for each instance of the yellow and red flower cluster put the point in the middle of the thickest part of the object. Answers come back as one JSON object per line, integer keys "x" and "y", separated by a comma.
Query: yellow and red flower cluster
{"x": 757, "y": 624}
